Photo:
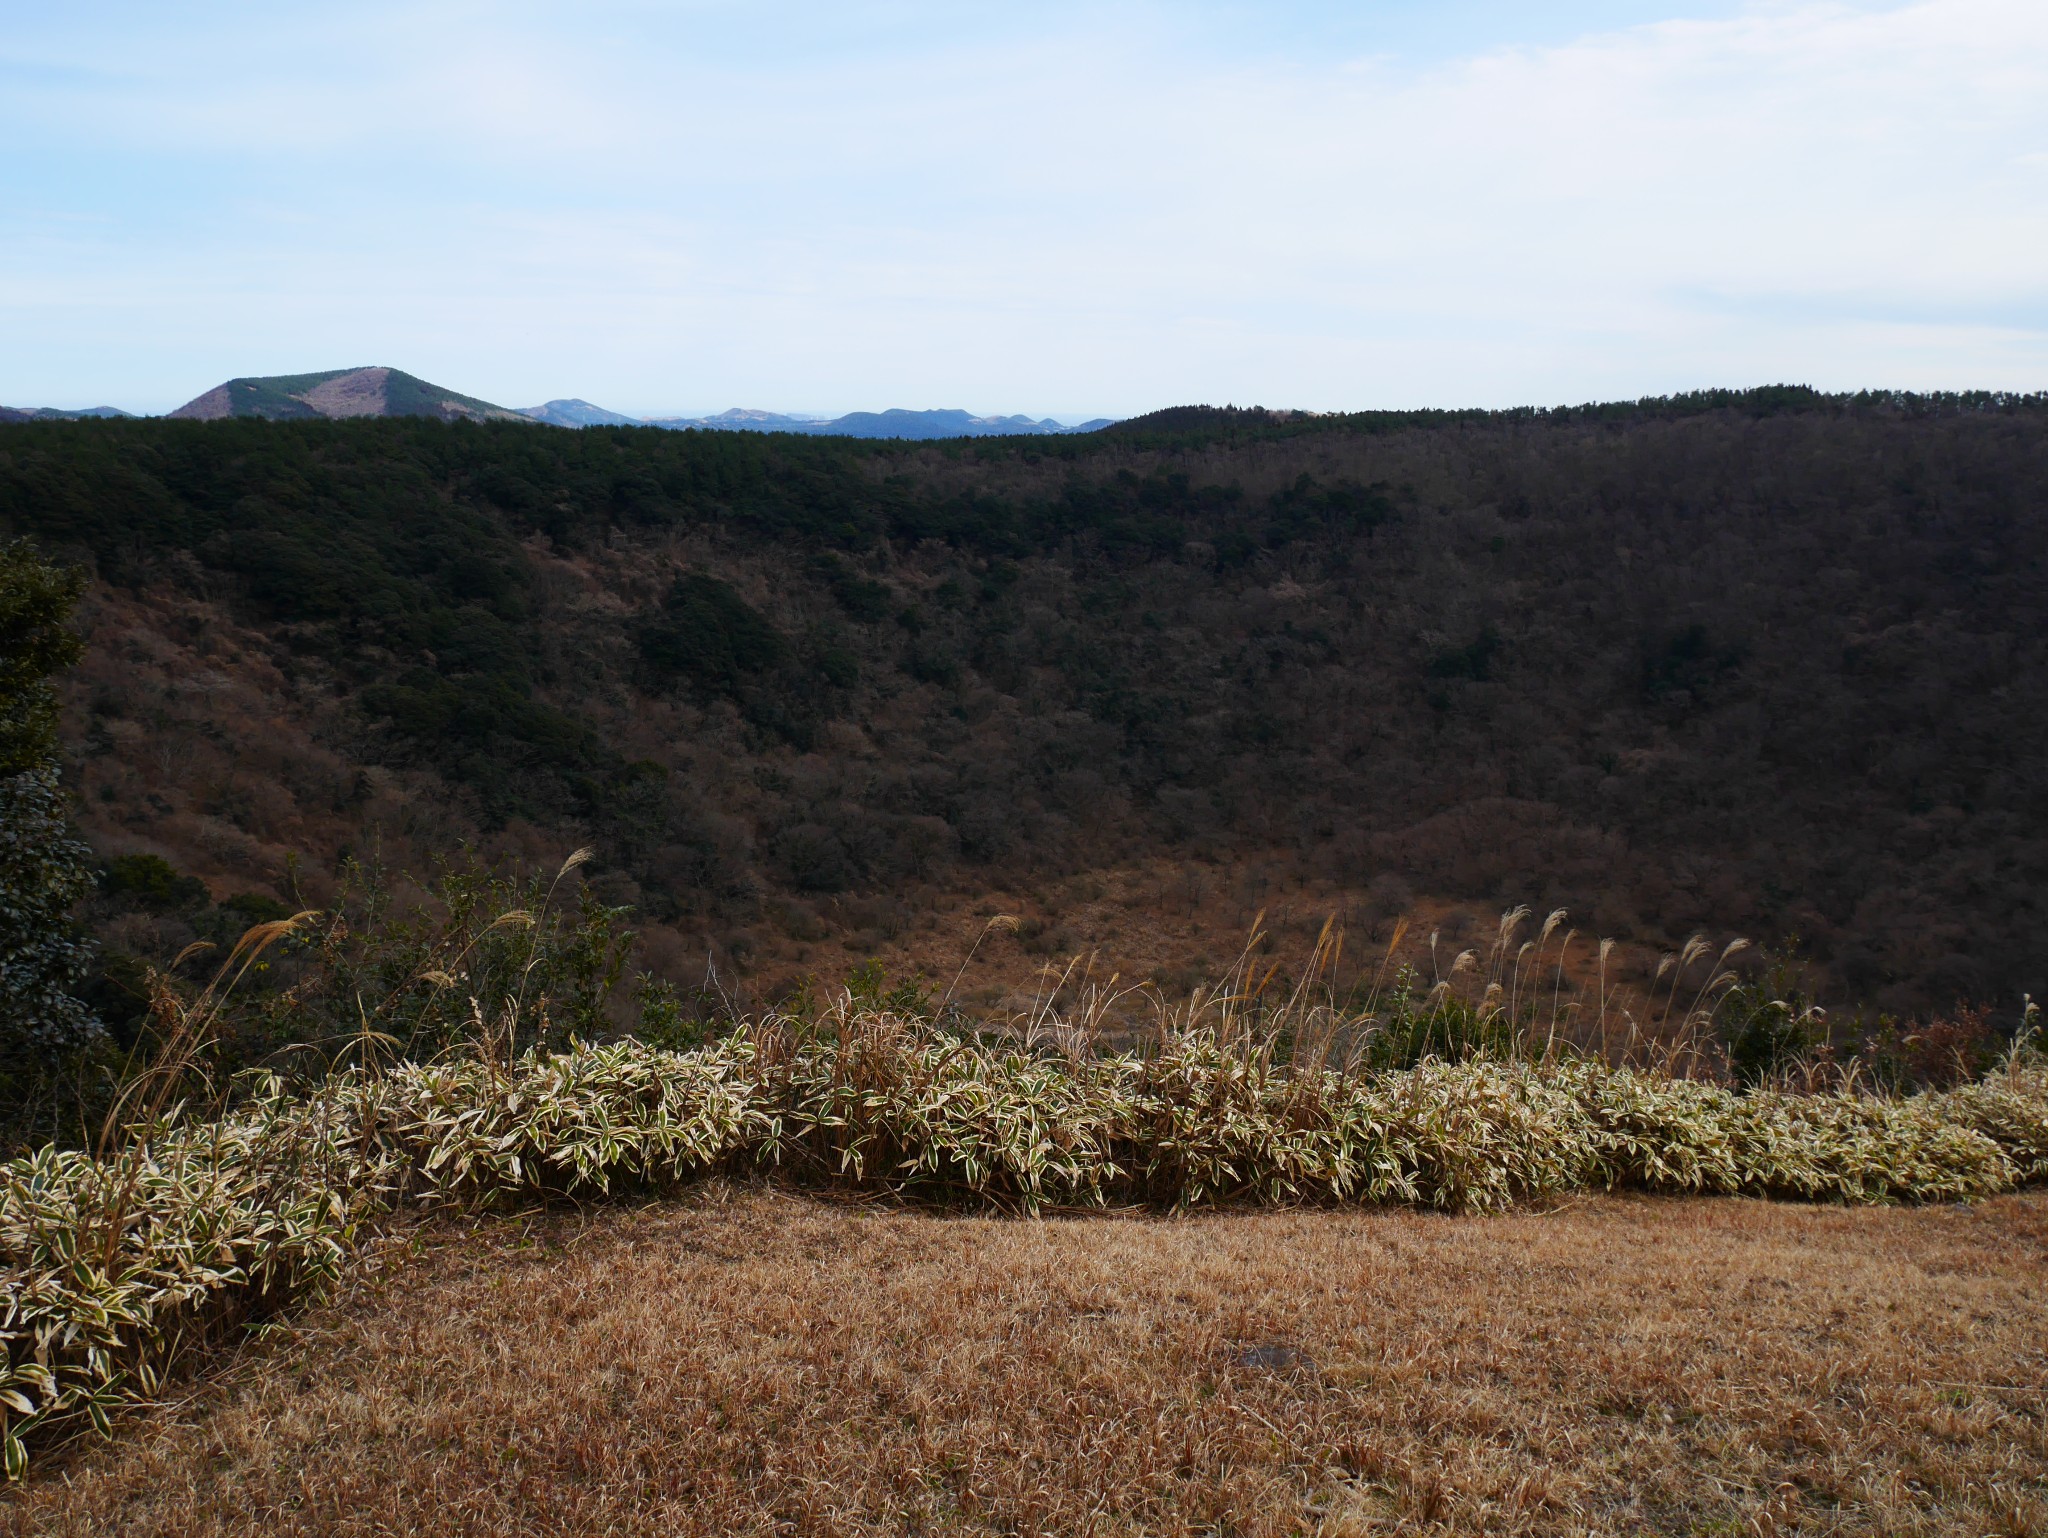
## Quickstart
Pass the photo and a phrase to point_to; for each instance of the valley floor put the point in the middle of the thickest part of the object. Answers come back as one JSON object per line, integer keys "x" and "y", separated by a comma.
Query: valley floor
{"x": 747, "y": 1361}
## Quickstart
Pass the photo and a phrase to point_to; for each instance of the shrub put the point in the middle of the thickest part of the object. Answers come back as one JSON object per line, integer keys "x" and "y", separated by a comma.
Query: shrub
{"x": 479, "y": 950}
{"x": 150, "y": 881}
{"x": 1939, "y": 1053}
{"x": 45, "y": 1031}
{"x": 44, "y": 962}
{"x": 1767, "y": 1036}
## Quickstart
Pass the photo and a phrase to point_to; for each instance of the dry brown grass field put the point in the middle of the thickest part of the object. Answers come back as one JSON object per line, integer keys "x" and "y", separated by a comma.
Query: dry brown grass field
{"x": 745, "y": 1361}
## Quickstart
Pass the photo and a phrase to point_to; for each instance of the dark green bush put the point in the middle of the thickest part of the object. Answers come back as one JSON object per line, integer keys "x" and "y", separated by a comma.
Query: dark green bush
{"x": 1768, "y": 1035}
{"x": 49, "y": 1038}
{"x": 150, "y": 881}
{"x": 707, "y": 635}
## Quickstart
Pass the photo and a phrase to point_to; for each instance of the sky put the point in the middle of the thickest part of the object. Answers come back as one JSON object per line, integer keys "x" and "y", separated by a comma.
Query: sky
{"x": 1061, "y": 208}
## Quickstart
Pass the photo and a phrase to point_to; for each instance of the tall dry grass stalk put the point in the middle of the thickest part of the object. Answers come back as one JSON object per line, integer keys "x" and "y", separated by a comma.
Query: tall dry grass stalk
{"x": 1518, "y": 997}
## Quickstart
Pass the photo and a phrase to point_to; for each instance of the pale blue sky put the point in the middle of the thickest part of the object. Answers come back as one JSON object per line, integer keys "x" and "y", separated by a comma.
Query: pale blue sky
{"x": 1060, "y": 208}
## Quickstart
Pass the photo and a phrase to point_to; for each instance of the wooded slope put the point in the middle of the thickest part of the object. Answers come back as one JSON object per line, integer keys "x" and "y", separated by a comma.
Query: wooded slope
{"x": 1772, "y": 663}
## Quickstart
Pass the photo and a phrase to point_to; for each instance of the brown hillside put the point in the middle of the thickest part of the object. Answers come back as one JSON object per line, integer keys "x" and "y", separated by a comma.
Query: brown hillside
{"x": 365, "y": 393}
{"x": 238, "y": 781}
{"x": 1737, "y": 671}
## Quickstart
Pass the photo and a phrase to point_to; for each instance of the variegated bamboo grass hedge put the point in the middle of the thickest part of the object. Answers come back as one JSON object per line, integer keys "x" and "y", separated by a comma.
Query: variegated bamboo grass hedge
{"x": 114, "y": 1266}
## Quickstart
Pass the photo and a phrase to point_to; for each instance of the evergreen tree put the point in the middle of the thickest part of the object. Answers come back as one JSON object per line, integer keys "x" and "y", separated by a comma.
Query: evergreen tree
{"x": 44, "y": 871}
{"x": 35, "y": 600}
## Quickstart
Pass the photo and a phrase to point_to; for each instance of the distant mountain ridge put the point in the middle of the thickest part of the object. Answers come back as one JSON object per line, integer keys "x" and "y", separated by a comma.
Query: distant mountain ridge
{"x": 57, "y": 413}
{"x": 745, "y": 419}
{"x": 336, "y": 394}
{"x": 894, "y": 423}
{"x": 339, "y": 393}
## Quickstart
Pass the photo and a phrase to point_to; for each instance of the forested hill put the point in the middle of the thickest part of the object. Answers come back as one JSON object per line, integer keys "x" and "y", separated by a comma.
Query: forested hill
{"x": 1775, "y": 662}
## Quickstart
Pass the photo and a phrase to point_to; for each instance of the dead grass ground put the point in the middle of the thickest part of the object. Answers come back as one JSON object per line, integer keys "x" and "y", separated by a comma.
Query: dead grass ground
{"x": 753, "y": 1362}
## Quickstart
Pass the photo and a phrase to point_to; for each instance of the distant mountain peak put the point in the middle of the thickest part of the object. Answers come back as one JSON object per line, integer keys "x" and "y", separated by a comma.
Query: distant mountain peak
{"x": 340, "y": 393}
{"x": 572, "y": 412}
{"x": 740, "y": 416}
